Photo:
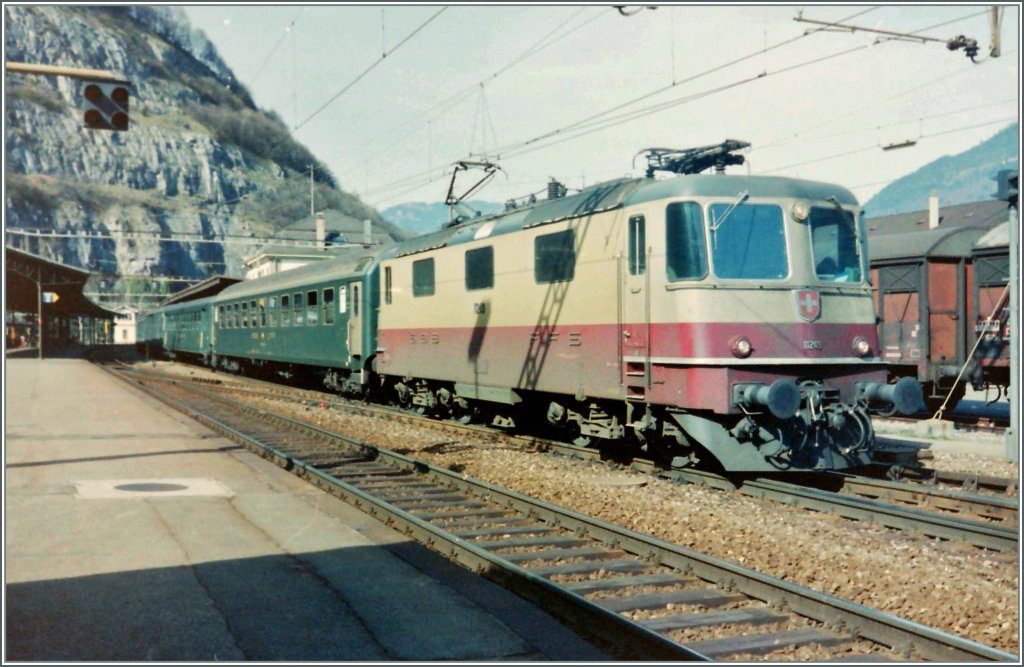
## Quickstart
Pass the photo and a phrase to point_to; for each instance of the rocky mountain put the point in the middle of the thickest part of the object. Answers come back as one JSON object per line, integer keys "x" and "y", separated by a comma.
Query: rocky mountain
{"x": 959, "y": 179}
{"x": 422, "y": 218}
{"x": 201, "y": 178}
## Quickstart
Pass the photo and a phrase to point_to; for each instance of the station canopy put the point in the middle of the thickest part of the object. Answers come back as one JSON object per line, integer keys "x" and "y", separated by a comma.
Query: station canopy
{"x": 24, "y": 271}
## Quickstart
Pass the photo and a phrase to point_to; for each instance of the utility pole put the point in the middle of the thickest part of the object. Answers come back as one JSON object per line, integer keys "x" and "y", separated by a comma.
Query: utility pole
{"x": 312, "y": 208}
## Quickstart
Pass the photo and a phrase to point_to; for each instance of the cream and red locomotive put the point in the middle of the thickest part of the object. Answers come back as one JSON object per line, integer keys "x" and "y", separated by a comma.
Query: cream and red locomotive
{"x": 705, "y": 318}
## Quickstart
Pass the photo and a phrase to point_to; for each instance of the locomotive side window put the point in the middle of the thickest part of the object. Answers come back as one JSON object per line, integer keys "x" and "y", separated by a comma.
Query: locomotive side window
{"x": 834, "y": 242}
{"x": 554, "y": 257}
{"x": 480, "y": 268}
{"x": 637, "y": 245}
{"x": 297, "y": 307}
{"x": 328, "y": 305}
{"x": 686, "y": 251}
{"x": 272, "y": 306}
{"x": 286, "y": 311}
{"x": 748, "y": 241}
{"x": 387, "y": 284}
{"x": 355, "y": 300}
{"x": 423, "y": 277}
{"x": 312, "y": 312}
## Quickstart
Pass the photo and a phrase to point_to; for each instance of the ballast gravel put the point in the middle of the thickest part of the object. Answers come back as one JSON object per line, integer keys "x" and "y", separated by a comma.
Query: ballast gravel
{"x": 952, "y": 587}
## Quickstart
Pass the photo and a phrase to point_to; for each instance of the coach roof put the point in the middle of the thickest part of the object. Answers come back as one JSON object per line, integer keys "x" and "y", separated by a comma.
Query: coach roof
{"x": 329, "y": 269}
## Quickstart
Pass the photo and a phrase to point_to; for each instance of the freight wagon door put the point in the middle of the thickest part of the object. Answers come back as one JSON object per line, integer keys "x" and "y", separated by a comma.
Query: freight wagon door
{"x": 355, "y": 319}
{"x": 635, "y": 311}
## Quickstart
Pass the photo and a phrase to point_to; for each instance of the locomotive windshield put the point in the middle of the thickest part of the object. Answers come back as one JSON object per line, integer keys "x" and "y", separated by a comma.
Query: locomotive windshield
{"x": 834, "y": 239}
{"x": 749, "y": 243}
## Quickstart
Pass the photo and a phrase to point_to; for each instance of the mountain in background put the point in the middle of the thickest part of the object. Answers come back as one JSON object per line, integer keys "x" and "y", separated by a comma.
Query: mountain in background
{"x": 959, "y": 179}
{"x": 422, "y": 218}
{"x": 199, "y": 158}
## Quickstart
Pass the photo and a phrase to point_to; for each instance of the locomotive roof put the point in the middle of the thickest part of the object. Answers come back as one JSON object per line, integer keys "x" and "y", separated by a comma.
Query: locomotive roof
{"x": 997, "y": 237}
{"x": 954, "y": 242}
{"x": 328, "y": 269}
{"x": 624, "y": 192}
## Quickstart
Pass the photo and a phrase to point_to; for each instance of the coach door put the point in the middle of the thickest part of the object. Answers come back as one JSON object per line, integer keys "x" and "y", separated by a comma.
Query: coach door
{"x": 355, "y": 319}
{"x": 635, "y": 319}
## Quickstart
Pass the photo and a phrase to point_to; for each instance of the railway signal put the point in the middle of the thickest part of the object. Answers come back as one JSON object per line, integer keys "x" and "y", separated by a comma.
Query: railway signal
{"x": 105, "y": 105}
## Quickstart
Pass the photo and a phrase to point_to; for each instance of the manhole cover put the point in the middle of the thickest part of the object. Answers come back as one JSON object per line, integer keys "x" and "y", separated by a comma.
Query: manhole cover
{"x": 150, "y": 487}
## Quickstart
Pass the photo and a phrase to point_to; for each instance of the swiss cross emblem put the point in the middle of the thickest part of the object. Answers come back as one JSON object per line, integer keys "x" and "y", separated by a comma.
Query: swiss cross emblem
{"x": 808, "y": 304}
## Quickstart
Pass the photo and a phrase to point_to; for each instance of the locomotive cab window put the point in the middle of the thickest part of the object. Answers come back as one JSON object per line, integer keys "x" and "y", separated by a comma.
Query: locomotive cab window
{"x": 423, "y": 277}
{"x": 834, "y": 243}
{"x": 748, "y": 241}
{"x": 686, "y": 251}
{"x": 480, "y": 268}
{"x": 554, "y": 257}
{"x": 312, "y": 311}
{"x": 637, "y": 246}
{"x": 328, "y": 305}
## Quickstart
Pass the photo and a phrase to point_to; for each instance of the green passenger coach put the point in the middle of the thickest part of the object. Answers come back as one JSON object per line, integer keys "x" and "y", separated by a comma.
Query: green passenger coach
{"x": 317, "y": 319}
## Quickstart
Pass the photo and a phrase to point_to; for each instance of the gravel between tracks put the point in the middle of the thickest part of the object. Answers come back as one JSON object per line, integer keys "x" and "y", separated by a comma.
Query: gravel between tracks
{"x": 955, "y": 588}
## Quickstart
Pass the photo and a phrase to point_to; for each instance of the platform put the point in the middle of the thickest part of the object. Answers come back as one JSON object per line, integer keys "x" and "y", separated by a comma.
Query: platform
{"x": 133, "y": 533}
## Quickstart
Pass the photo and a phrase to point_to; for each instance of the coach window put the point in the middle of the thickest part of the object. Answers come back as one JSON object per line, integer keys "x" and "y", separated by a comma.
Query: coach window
{"x": 343, "y": 299}
{"x": 834, "y": 243}
{"x": 387, "y": 284}
{"x": 272, "y": 307}
{"x": 245, "y": 315}
{"x": 253, "y": 321}
{"x": 686, "y": 252}
{"x": 263, "y": 313}
{"x": 554, "y": 257}
{"x": 312, "y": 307}
{"x": 637, "y": 246}
{"x": 748, "y": 241}
{"x": 297, "y": 307}
{"x": 328, "y": 305}
{"x": 286, "y": 312}
{"x": 423, "y": 277}
{"x": 480, "y": 268}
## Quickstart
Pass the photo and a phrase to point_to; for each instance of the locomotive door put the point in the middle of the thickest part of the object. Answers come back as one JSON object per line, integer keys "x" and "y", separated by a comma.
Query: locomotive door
{"x": 635, "y": 320}
{"x": 355, "y": 320}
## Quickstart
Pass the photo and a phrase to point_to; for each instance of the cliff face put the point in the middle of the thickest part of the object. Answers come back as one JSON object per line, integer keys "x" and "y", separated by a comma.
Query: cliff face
{"x": 199, "y": 161}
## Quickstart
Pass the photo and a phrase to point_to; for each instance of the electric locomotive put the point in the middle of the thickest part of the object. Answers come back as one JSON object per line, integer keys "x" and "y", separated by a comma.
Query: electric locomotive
{"x": 703, "y": 316}
{"x": 706, "y": 319}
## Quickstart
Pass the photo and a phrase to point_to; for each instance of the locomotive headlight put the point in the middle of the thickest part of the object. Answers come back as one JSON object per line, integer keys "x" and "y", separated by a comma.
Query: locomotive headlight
{"x": 741, "y": 347}
{"x": 861, "y": 346}
{"x": 800, "y": 211}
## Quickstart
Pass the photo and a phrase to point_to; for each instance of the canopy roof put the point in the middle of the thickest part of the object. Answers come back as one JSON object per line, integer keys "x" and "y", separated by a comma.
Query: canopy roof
{"x": 24, "y": 273}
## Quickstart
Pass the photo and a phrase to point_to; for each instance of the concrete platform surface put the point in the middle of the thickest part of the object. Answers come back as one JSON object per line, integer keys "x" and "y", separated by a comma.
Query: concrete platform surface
{"x": 133, "y": 533}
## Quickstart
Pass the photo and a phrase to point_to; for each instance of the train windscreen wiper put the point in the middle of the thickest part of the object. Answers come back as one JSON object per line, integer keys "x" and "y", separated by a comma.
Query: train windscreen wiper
{"x": 716, "y": 223}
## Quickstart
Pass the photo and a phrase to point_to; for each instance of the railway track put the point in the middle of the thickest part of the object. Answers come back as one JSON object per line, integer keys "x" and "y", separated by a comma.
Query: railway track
{"x": 650, "y": 599}
{"x": 983, "y": 520}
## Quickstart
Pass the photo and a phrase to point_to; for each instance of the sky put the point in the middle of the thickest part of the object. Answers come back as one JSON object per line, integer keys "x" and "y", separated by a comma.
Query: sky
{"x": 388, "y": 96}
